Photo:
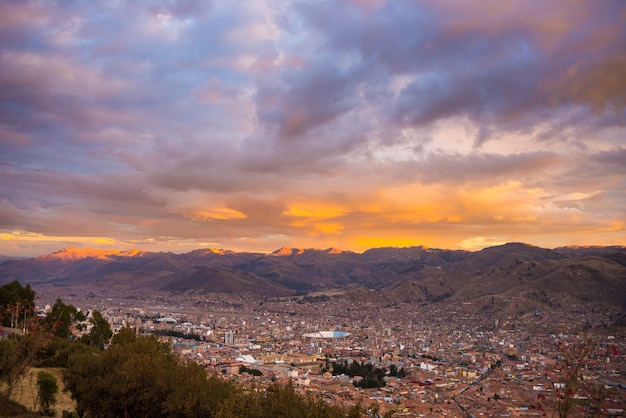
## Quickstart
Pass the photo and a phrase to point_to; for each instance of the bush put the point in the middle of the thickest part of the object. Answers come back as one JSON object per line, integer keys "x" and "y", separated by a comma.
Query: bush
{"x": 47, "y": 389}
{"x": 140, "y": 377}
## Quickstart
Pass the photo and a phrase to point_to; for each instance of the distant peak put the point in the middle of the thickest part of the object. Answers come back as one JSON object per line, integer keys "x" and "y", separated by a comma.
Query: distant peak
{"x": 333, "y": 250}
{"x": 212, "y": 251}
{"x": 285, "y": 252}
{"x": 131, "y": 253}
{"x": 219, "y": 251}
{"x": 73, "y": 253}
{"x": 510, "y": 245}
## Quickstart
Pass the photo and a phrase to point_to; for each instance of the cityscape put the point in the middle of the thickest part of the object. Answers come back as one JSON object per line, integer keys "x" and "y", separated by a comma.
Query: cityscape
{"x": 457, "y": 359}
{"x": 312, "y": 208}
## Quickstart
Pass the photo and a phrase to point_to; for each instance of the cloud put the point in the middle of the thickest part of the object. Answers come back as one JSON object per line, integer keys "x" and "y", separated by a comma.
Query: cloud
{"x": 456, "y": 169}
{"x": 477, "y": 243}
{"x": 255, "y": 124}
{"x": 500, "y": 65}
{"x": 215, "y": 214}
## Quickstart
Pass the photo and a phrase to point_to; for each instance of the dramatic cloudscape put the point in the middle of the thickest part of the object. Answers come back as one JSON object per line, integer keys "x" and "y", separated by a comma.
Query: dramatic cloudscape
{"x": 251, "y": 125}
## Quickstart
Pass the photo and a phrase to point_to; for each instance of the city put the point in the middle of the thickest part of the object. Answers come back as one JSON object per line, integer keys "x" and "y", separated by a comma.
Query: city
{"x": 374, "y": 208}
{"x": 457, "y": 359}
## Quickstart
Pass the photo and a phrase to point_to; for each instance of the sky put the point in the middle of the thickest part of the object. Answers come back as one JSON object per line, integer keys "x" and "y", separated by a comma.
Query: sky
{"x": 252, "y": 125}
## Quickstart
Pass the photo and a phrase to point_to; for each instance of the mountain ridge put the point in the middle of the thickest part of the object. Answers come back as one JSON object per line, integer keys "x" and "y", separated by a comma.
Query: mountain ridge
{"x": 411, "y": 274}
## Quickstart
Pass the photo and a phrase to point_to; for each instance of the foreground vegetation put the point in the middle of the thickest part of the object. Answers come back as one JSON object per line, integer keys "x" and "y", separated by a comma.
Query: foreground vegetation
{"x": 136, "y": 376}
{"x": 140, "y": 376}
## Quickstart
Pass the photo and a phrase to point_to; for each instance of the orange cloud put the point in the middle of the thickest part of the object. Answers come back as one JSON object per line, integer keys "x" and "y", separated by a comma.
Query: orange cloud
{"x": 314, "y": 210}
{"x": 418, "y": 203}
{"x": 18, "y": 236}
{"x": 315, "y": 217}
{"x": 477, "y": 243}
{"x": 325, "y": 228}
{"x": 364, "y": 243}
{"x": 220, "y": 214}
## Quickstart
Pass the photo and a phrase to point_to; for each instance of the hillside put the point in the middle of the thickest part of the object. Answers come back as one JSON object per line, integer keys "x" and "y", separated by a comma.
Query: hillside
{"x": 414, "y": 274}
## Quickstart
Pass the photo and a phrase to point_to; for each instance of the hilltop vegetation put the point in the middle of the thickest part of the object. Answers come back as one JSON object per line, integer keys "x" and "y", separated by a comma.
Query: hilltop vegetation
{"x": 136, "y": 376}
{"x": 139, "y": 376}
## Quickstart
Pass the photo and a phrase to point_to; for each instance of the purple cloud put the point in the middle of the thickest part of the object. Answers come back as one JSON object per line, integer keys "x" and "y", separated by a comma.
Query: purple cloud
{"x": 185, "y": 122}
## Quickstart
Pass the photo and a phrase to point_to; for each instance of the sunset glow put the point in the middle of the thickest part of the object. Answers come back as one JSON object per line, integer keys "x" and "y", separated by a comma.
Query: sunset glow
{"x": 255, "y": 125}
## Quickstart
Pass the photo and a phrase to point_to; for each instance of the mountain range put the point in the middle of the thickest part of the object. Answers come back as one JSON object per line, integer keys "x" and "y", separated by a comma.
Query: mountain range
{"x": 413, "y": 274}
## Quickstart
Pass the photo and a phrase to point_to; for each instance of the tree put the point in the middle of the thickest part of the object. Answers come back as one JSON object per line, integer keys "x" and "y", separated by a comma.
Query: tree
{"x": 100, "y": 333}
{"x": 393, "y": 370}
{"x": 47, "y": 389}
{"x": 140, "y": 376}
{"x": 565, "y": 400}
{"x": 18, "y": 352}
{"x": 17, "y": 304}
{"x": 278, "y": 401}
{"x": 61, "y": 317}
{"x": 249, "y": 370}
{"x": 10, "y": 364}
{"x": 18, "y": 348}
{"x": 576, "y": 359}
{"x": 125, "y": 335}
{"x": 57, "y": 352}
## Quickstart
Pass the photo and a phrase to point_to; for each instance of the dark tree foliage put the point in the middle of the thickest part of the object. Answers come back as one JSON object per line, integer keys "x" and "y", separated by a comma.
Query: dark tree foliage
{"x": 12, "y": 364}
{"x": 253, "y": 372}
{"x": 283, "y": 402}
{"x": 369, "y": 382}
{"x": 61, "y": 317}
{"x": 394, "y": 372}
{"x": 47, "y": 389}
{"x": 57, "y": 352}
{"x": 313, "y": 299}
{"x": 122, "y": 381}
{"x": 125, "y": 335}
{"x": 140, "y": 376}
{"x": 18, "y": 347}
{"x": 17, "y": 355}
{"x": 372, "y": 377}
{"x": 100, "y": 332}
{"x": 17, "y": 304}
{"x": 176, "y": 334}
